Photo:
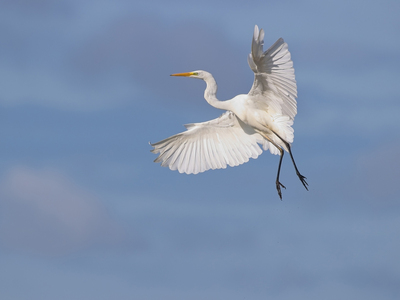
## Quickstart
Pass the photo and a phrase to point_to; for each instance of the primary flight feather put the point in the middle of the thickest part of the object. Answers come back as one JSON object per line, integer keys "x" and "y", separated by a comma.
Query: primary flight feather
{"x": 262, "y": 117}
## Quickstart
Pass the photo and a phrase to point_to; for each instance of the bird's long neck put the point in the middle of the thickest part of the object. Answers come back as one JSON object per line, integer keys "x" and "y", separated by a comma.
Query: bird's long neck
{"x": 210, "y": 94}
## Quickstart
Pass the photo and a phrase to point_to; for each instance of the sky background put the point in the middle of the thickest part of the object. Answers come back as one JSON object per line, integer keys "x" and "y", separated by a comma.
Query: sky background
{"x": 86, "y": 214}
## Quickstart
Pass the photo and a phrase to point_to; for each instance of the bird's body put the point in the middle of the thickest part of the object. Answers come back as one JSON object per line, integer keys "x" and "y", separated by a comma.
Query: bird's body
{"x": 264, "y": 116}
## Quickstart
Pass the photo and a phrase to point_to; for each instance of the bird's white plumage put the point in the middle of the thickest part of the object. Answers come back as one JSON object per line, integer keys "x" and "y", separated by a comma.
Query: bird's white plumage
{"x": 274, "y": 74}
{"x": 209, "y": 145}
{"x": 274, "y": 88}
{"x": 267, "y": 111}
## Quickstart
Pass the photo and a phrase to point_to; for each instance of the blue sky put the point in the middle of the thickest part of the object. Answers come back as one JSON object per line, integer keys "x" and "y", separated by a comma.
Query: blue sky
{"x": 86, "y": 214}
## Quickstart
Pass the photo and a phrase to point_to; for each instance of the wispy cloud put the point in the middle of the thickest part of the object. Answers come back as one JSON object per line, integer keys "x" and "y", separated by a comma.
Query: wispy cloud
{"x": 45, "y": 212}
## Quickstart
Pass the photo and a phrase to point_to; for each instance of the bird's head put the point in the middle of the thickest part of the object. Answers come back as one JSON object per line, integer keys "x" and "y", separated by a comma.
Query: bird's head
{"x": 195, "y": 74}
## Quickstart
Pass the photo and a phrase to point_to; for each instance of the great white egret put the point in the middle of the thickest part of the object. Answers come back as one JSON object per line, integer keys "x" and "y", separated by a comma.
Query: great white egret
{"x": 264, "y": 116}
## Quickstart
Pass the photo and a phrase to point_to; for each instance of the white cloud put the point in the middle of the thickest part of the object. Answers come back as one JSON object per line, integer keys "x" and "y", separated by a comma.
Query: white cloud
{"x": 44, "y": 212}
{"x": 53, "y": 88}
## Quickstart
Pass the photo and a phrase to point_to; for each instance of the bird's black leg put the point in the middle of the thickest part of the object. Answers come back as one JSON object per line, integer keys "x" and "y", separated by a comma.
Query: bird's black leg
{"x": 301, "y": 177}
{"x": 278, "y": 184}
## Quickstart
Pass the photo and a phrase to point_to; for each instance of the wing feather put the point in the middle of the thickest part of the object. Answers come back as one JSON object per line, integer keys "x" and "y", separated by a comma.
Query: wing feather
{"x": 209, "y": 145}
{"x": 274, "y": 84}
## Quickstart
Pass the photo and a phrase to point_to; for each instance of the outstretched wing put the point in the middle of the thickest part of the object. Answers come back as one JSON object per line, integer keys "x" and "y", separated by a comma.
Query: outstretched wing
{"x": 209, "y": 145}
{"x": 274, "y": 87}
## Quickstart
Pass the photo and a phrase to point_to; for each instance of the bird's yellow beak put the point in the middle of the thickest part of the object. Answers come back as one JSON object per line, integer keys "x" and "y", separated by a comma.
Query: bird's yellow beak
{"x": 187, "y": 74}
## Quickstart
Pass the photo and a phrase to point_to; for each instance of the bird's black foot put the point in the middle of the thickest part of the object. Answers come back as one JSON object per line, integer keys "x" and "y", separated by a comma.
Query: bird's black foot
{"x": 278, "y": 188}
{"x": 303, "y": 180}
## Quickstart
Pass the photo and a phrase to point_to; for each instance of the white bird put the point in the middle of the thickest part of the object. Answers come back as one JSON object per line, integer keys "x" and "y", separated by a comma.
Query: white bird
{"x": 264, "y": 116}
